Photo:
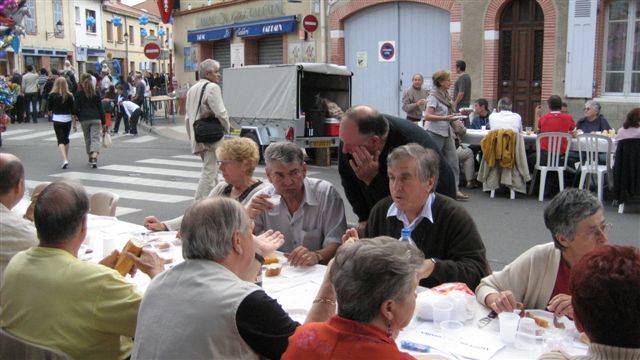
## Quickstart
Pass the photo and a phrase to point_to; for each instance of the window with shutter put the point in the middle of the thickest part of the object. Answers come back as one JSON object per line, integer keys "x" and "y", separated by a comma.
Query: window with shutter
{"x": 622, "y": 48}
{"x": 581, "y": 39}
{"x": 30, "y": 22}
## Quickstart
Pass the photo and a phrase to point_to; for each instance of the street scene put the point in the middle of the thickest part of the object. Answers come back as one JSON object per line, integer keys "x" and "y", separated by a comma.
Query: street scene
{"x": 320, "y": 179}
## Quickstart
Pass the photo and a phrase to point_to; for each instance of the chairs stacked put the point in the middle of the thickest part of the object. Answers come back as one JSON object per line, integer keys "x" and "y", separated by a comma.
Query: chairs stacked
{"x": 14, "y": 347}
{"x": 590, "y": 148}
{"x": 553, "y": 160}
{"x": 626, "y": 171}
{"x": 104, "y": 203}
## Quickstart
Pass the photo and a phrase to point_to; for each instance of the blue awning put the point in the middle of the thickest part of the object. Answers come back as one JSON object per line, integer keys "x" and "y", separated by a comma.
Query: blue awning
{"x": 210, "y": 34}
{"x": 277, "y": 25}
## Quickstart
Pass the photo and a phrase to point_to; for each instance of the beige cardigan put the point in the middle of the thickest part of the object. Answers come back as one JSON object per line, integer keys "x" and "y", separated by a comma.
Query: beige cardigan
{"x": 211, "y": 104}
{"x": 530, "y": 277}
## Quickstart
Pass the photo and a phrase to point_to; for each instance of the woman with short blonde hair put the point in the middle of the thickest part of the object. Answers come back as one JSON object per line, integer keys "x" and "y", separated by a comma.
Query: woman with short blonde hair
{"x": 61, "y": 106}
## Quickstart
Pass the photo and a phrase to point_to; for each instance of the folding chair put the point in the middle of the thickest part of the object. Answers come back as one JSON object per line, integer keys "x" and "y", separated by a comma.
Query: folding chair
{"x": 104, "y": 203}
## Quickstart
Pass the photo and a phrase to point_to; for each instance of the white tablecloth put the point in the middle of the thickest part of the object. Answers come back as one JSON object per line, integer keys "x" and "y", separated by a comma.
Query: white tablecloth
{"x": 295, "y": 289}
{"x": 474, "y": 136}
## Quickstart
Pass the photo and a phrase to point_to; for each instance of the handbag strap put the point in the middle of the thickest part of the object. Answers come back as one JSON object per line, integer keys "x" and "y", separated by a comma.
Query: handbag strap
{"x": 200, "y": 101}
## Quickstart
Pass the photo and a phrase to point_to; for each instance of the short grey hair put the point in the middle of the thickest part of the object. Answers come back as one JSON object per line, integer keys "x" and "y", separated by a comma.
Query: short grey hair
{"x": 285, "y": 152}
{"x": 566, "y": 210}
{"x": 427, "y": 160}
{"x": 505, "y": 104}
{"x": 60, "y": 211}
{"x": 208, "y": 227}
{"x": 208, "y": 65}
{"x": 371, "y": 271}
{"x": 594, "y": 105}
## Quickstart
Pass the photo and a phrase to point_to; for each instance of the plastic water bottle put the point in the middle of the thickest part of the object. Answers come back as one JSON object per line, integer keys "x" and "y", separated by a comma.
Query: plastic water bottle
{"x": 405, "y": 236}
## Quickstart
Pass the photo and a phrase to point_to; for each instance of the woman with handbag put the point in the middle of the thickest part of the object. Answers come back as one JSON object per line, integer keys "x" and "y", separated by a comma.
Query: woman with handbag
{"x": 61, "y": 106}
{"x": 91, "y": 116}
{"x": 438, "y": 117}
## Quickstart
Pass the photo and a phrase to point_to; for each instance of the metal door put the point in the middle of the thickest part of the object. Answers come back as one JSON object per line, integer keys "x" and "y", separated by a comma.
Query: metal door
{"x": 222, "y": 54}
{"x": 270, "y": 50}
{"x": 421, "y": 35}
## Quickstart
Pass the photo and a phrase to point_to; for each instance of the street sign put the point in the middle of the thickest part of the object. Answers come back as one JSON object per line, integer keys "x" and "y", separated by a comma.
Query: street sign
{"x": 152, "y": 51}
{"x": 150, "y": 39}
{"x": 310, "y": 23}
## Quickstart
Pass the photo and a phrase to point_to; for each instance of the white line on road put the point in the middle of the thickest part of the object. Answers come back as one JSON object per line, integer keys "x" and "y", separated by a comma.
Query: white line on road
{"x": 130, "y": 194}
{"x": 10, "y": 133}
{"x": 154, "y": 171}
{"x": 188, "y": 157}
{"x": 121, "y": 211}
{"x": 181, "y": 185}
{"x": 193, "y": 164}
{"x": 76, "y": 135}
{"x": 141, "y": 139}
{"x": 179, "y": 128}
{"x": 33, "y": 135}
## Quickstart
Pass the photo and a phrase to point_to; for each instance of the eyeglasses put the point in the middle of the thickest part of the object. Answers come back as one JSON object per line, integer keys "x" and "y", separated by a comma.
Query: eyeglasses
{"x": 596, "y": 231}
{"x": 225, "y": 162}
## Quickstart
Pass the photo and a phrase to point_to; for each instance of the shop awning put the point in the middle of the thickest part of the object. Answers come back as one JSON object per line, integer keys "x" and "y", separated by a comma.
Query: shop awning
{"x": 277, "y": 25}
{"x": 209, "y": 34}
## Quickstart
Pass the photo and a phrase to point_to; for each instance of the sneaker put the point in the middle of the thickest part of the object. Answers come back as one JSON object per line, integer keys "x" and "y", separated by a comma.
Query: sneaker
{"x": 94, "y": 163}
{"x": 65, "y": 165}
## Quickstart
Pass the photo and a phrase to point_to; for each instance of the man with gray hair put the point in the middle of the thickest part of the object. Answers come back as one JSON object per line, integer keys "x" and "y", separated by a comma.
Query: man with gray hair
{"x": 309, "y": 212}
{"x": 503, "y": 118}
{"x": 50, "y": 297}
{"x": 440, "y": 227}
{"x": 204, "y": 99}
{"x": 209, "y": 304}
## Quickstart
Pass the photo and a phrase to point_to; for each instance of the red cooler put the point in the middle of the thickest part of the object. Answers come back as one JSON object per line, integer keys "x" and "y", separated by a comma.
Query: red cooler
{"x": 331, "y": 127}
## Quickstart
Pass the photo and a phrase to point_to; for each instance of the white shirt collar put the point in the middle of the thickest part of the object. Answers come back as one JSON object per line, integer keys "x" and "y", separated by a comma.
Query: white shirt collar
{"x": 425, "y": 213}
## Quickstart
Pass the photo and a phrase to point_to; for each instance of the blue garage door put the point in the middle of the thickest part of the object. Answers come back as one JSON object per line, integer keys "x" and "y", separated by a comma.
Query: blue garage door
{"x": 421, "y": 35}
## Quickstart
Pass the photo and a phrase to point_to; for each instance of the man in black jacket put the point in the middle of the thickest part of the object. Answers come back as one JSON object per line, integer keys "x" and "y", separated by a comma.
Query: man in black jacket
{"x": 367, "y": 137}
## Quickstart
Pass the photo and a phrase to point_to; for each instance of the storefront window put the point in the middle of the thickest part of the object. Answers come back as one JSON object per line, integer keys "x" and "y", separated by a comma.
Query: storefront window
{"x": 622, "y": 53}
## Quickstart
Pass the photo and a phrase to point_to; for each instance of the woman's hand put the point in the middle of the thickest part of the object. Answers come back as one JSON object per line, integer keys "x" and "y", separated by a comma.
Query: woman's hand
{"x": 561, "y": 305}
{"x": 503, "y": 301}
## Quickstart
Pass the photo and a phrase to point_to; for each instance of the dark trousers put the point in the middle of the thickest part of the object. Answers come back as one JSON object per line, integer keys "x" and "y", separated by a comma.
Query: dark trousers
{"x": 18, "y": 110}
{"x": 133, "y": 121}
{"x": 31, "y": 100}
{"x": 120, "y": 115}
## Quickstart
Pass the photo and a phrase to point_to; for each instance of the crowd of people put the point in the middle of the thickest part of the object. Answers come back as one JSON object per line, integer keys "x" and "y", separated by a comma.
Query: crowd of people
{"x": 395, "y": 179}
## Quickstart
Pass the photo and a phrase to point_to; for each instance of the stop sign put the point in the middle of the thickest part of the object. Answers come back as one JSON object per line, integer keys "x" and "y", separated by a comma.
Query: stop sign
{"x": 152, "y": 51}
{"x": 310, "y": 23}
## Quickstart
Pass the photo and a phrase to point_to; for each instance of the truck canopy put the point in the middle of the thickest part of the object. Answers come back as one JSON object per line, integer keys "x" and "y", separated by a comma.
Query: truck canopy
{"x": 257, "y": 94}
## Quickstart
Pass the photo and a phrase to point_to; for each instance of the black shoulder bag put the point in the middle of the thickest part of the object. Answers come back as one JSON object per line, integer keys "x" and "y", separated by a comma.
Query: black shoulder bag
{"x": 207, "y": 129}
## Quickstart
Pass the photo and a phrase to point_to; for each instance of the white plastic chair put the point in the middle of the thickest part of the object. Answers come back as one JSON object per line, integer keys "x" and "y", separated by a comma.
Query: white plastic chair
{"x": 556, "y": 160}
{"x": 14, "y": 347}
{"x": 590, "y": 146}
{"x": 104, "y": 203}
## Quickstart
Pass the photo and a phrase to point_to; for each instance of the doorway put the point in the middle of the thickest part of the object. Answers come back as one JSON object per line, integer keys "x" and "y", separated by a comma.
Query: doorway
{"x": 520, "y": 56}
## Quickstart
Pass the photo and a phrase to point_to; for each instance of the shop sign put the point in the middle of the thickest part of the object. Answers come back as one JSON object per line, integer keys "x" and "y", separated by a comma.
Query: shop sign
{"x": 270, "y": 9}
{"x": 266, "y": 29}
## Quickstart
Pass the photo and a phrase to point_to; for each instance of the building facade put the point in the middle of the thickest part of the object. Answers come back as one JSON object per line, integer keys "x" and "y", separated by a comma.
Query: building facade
{"x": 89, "y": 47}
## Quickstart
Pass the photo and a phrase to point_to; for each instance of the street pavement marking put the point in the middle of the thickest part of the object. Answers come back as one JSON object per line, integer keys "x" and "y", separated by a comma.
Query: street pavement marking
{"x": 180, "y": 185}
{"x": 141, "y": 139}
{"x": 179, "y": 128}
{"x": 188, "y": 157}
{"x": 76, "y": 135}
{"x": 193, "y": 164}
{"x": 10, "y": 133}
{"x": 32, "y": 135}
{"x": 154, "y": 171}
{"x": 131, "y": 194}
{"x": 121, "y": 211}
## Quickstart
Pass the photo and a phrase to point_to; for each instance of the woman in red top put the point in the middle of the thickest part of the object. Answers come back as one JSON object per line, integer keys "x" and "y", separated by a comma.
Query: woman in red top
{"x": 375, "y": 283}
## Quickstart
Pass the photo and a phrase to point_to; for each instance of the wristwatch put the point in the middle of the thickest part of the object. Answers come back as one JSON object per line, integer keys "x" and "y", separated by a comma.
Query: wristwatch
{"x": 320, "y": 257}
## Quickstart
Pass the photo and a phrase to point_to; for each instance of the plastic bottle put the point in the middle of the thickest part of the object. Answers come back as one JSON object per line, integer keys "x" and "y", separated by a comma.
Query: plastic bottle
{"x": 406, "y": 236}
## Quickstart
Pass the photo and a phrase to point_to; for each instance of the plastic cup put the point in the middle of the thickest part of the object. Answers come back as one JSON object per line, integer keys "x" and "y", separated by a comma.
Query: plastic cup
{"x": 442, "y": 311}
{"x": 508, "y": 326}
{"x": 451, "y": 334}
{"x": 526, "y": 335}
{"x": 483, "y": 127}
{"x": 275, "y": 200}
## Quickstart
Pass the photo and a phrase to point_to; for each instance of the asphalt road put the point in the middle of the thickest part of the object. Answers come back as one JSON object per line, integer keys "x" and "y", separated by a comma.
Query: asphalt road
{"x": 157, "y": 175}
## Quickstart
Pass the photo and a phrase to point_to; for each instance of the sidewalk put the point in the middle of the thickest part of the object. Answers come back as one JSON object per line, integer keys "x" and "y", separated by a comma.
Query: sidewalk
{"x": 166, "y": 128}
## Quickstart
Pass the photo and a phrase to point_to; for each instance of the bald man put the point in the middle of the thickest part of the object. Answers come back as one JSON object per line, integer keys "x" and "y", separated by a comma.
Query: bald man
{"x": 16, "y": 233}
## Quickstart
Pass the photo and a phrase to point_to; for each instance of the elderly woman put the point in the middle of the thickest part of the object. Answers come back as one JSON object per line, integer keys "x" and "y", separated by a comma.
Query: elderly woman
{"x": 592, "y": 120}
{"x": 539, "y": 278}
{"x": 631, "y": 127}
{"x": 438, "y": 116}
{"x": 375, "y": 284}
{"x": 601, "y": 280}
{"x": 238, "y": 159}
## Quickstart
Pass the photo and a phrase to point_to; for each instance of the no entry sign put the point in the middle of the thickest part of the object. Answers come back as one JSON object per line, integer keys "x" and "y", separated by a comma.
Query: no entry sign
{"x": 152, "y": 51}
{"x": 310, "y": 23}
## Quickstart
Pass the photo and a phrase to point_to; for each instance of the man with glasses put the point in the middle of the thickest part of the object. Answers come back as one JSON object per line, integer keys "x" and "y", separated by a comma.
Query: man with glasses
{"x": 309, "y": 212}
{"x": 539, "y": 278}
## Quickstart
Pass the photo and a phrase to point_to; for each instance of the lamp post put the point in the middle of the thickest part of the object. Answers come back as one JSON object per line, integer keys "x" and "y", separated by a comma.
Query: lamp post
{"x": 126, "y": 55}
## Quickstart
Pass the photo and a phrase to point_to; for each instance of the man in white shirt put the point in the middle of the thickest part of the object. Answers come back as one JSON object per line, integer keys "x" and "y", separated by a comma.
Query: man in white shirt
{"x": 503, "y": 118}
{"x": 30, "y": 89}
{"x": 16, "y": 233}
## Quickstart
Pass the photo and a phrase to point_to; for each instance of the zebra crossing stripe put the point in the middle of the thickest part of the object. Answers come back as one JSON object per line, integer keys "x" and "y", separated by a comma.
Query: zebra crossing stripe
{"x": 10, "y": 133}
{"x": 153, "y": 171}
{"x": 121, "y": 211}
{"x": 141, "y": 139}
{"x": 33, "y": 135}
{"x": 179, "y": 185}
{"x": 188, "y": 157}
{"x": 130, "y": 194}
{"x": 192, "y": 164}
{"x": 76, "y": 135}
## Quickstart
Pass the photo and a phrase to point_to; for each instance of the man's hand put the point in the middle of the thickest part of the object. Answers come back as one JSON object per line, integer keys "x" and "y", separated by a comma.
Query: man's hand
{"x": 153, "y": 223}
{"x": 301, "y": 256}
{"x": 350, "y": 234}
{"x": 259, "y": 204}
{"x": 364, "y": 164}
{"x": 148, "y": 262}
{"x": 269, "y": 241}
{"x": 561, "y": 305}
{"x": 426, "y": 269}
{"x": 421, "y": 102}
{"x": 503, "y": 301}
{"x": 361, "y": 225}
{"x": 111, "y": 260}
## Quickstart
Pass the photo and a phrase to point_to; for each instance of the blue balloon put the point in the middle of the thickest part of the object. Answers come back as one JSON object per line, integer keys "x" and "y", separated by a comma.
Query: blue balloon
{"x": 171, "y": 20}
{"x": 116, "y": 67}
{"x": 143, "y": 19}
{"x": 91, "y": 21}
{"x": 116, "y": 21}
{"x": 15, "y": 43}
{"x": 143, "y": 32}
{"x": 162, "y": 32}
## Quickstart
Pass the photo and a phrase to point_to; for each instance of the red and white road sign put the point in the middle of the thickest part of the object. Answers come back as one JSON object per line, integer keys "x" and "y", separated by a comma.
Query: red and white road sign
{"x": 152, "y": 51}
{"x": 310, "y": 23}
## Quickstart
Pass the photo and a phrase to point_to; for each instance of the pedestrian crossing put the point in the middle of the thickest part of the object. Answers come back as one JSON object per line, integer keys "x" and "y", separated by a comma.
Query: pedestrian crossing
{"x": 16, "y": 135}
